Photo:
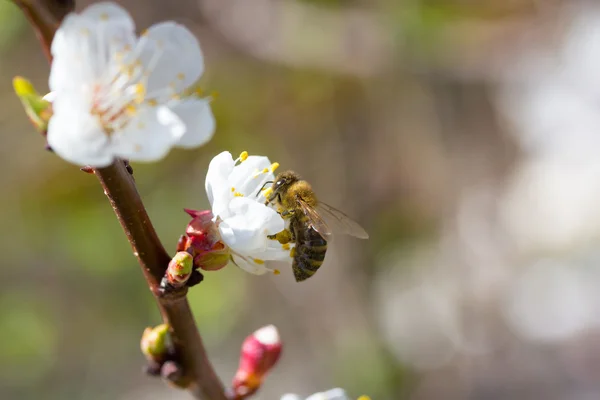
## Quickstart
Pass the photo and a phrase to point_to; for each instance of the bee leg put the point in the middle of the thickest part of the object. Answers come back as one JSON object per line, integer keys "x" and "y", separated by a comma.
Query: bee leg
{"x": 287, "y": 213}
{"x": 283, "y": 237}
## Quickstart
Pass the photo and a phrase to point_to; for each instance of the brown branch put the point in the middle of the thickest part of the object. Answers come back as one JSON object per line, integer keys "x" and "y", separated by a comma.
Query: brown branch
{"x": 123, "y": 196}
{"x": 199, "y": 376}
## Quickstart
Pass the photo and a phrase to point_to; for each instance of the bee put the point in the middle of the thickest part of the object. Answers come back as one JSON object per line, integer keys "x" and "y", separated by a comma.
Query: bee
{"x": 297, "y": 202}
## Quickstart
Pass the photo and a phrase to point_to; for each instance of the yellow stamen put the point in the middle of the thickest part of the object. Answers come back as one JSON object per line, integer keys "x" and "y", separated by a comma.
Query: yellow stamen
{"x": 258, "y": 261}
{"x": 293, "y": 252}
{"x": 274, "y": 166}
{"x": 238, "y": 194}
{"x": 140, "y": 92}
{"x": 131, "y": 110}
{"x": 267, "y": 192}
{"x": 243, "y": 156}
{"x": 285, "y": 246}
{"x": 363, "y": 397}
{"x": 276, "y": 272}
{"x": 152, "y": 103}
{"x": 144, "y": 32}
{"x": 232, "y": 190}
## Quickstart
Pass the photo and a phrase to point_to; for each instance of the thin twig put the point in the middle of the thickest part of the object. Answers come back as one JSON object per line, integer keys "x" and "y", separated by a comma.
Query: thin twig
{"x": 119, "y": 186}
{"x": 123, "y": 196}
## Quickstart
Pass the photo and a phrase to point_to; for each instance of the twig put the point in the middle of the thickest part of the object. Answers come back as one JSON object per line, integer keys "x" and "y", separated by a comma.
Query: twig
{"x": 118, "y": 184}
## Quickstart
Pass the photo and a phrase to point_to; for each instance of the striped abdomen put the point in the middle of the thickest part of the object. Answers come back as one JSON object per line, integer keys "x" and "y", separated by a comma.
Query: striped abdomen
{"x": 309, "y": 252}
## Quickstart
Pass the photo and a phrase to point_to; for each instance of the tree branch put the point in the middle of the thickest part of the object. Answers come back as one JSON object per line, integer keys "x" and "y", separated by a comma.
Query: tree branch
{"x": 123, "y": 196}
{"x": 199, "y": 376}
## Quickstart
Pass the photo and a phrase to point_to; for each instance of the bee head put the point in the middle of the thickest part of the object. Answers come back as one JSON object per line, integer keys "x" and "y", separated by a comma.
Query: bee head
{"x": 282, "y": 182}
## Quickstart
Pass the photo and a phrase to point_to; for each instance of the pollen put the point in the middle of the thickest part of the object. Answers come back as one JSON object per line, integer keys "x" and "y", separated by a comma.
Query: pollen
{"x": 276, "y": 272}
{"x": 285, "y": 246}
{"x": 274, "y": 166}
{"x": 140, "y": 92}
{"x": 258, "y": 261}
{"x": 243, "y": 156}
{"x": 152, "y": 103}
{"x": 293, "y": 253}
{"x": 85, "y": 31}
{"x": 363, "y": 397}
{"x": 267, "y": 192}
{"x": 131, "y": 110}
{"x": 104, "y": 17}
{"x": 141, "y": 125}
{"x": 181, "y": 76}
{"x": 232, "y": 190}
{"x": 264, "y": 171}
{"x": 238, "y": 194}
{"x": 144, "y": 32}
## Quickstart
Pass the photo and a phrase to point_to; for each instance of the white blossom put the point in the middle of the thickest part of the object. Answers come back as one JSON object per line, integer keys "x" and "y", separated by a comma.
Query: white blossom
{"x": 234, "y": 190}
{"x": 332, "y": 394}
{"x": 118, "y": 95}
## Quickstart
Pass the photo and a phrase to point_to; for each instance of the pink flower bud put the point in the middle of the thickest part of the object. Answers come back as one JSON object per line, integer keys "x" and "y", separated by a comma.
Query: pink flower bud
{"x": 204, "y": 242}
{"x": 260, "y": 352}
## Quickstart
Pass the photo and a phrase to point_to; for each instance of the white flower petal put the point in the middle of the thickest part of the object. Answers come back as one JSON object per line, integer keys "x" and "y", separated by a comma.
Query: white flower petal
{"x": 76, "y": 136}
{"x": 333, "y": 394}
{"x": 109, "y": 12}
{"x": 145, "y": 137}
{"x": 290, "y": 396}
{"x": 246, "y": 231}
{"x": 85, "y": 43}
{"x": 249, "y": 176}
{"x": 250, "y": 267}
{"x": 199, "y": 121}
{"x": 218, "y": 189}
{"x": 172, "y": 55}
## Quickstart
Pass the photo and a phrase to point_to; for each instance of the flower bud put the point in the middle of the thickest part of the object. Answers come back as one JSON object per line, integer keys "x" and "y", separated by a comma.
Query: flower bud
{"x": 204, "y": 242}
{"x": 180, "y": 269}
{"x": 38, "y": 109}
{"x": 154, "y": 342}
{"x": 260, "y": 352}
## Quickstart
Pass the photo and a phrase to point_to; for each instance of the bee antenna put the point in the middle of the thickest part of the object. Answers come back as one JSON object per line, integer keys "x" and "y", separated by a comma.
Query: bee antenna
{"x": 262, "y": 187}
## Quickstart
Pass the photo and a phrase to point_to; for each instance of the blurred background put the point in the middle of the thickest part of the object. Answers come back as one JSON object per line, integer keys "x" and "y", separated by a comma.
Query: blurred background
{"x": 463, "y": 135}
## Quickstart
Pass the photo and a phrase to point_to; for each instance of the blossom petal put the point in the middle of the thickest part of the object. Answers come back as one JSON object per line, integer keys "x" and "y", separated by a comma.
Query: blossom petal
{"x": 250, "y": 266}
{"x": 146, "y": 138}
{"x": 76, "y": 136}
{"x": 85, "y": 43}
{"x": 172, "y": 55}
{"x": 246, "y": 231}
{"x": 218, "y": 189}
{"x": 199, "y": 121}
{"x": 249, "y": 176}
{"x": 332, "y": 394}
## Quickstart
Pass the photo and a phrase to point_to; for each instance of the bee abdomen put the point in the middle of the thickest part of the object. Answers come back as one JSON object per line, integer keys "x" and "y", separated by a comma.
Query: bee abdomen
{"x": 309, "y": 256}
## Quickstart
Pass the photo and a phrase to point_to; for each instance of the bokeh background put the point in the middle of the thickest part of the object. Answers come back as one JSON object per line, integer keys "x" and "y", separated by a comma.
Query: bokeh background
{"x": 463, "y": 134}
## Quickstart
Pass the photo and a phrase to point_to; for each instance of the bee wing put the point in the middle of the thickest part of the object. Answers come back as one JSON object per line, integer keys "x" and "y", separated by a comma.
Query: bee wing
{"x": 340, "y": 222}
{"x": 314, "y": 219}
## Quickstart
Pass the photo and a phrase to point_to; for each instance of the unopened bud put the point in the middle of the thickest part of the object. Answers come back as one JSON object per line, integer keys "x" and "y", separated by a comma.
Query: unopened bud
{"x": 180, "y": 269}
{"x": 204, "y": 242}
{"x": 38, "y": 109}
{"x": 154, "y": 342}
{"x": 260, "y": 351}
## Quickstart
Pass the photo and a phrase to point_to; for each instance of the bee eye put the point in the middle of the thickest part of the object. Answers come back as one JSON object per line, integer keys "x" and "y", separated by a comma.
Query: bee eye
{"x": 279, "y": 183}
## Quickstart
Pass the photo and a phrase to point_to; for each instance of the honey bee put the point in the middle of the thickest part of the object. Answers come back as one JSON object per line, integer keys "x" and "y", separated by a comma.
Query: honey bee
{"x": 297, "y": 202}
